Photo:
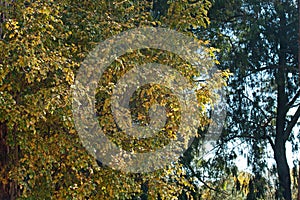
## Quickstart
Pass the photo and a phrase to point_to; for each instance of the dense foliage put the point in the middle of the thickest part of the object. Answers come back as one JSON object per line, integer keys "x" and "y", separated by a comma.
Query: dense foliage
{"x": 42, "y": 45}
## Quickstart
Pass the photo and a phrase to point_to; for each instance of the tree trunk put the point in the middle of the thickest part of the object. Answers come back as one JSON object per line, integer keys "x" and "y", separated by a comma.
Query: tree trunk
{"x": 283, "y": 169}
{"x": 4, "y": 150}
{"x": 298, "y": 182}
{"x": 298, "y": 195}
{"x": 299, "y": 38}
{"x": 8, "y": 188}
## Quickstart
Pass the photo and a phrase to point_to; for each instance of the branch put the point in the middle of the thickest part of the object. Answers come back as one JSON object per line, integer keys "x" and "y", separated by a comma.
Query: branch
{"x": 230, "y": 41}
{"x": 233, "y": 18}
{"x": 271, "y": 142}
{"x": 268, "y": 137}
{"x": 257, "y": 107}
{"x": 254, "y": 138}
{"x": 265, "y": 136}
{"x": 291, "y": 124}
{"x": 255, "y": 70}
{"x": 202, "y": 181}
{"x": 296, "y": 105}
{"x": 289, "y": 104}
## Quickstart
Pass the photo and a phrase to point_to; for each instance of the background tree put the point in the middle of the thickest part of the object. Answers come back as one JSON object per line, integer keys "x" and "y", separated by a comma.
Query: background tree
{"x": 258, "y": 42}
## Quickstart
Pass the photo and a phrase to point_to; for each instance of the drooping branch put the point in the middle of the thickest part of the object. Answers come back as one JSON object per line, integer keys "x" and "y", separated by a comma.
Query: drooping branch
{"x": 201, "y": 180}
{"x": 265, "y": 136}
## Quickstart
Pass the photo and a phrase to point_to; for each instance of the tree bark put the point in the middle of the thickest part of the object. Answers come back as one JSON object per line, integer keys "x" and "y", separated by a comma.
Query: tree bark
{"x": 298, "y": 182}
{"x": 9, "y": 189}
{"x": 283, "y": 169}
{"x": 4, "y": 150}
{"x": 298, "y": 195}
{"x": 299, "y": 39}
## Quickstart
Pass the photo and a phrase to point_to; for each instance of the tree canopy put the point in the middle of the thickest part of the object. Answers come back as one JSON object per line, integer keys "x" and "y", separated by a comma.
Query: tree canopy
{"x": 42, "y": 46}
{"x": 45, "y": 43}
{"x": 258, "y": 42}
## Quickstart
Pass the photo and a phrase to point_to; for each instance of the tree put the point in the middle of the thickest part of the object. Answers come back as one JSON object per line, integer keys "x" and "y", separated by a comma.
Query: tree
{"x": 258, "y": 42}
{"x": 42, "y": 46}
